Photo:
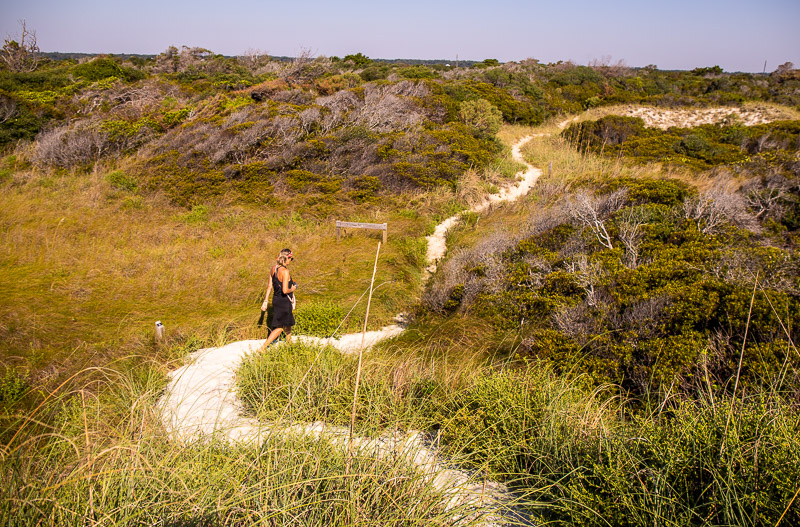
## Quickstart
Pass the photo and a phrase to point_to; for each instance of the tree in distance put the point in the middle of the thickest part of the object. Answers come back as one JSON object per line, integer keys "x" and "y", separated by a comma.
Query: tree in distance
{"x": 22, "y": 55}
{"x": 359, "y": 60}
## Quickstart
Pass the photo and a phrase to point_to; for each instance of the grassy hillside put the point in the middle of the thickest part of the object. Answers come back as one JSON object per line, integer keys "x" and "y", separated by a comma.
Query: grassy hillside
{"x": 617, "y": 347}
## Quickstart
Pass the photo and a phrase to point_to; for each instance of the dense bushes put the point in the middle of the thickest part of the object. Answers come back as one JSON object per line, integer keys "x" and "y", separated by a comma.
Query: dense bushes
{"x": 343, "y": 146}
{"x": 522, "y": 109}
{"x": 764, "y": 154}
{"x": 322, "y": 116}
{"x": 574, "y": 456}
{"x": 19, "y": 121}
{"x": 103, "y": 68}
{"x": 481, "y": 115}
{"x": 648, "y": 285}
{"x": 702, "y": 147}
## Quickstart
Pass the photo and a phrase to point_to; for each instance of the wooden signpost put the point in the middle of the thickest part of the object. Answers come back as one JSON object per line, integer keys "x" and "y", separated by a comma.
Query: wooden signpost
{"x": 359, "y": 225}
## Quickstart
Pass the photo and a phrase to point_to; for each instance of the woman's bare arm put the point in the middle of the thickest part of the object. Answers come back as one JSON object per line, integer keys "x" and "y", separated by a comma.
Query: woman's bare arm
{"x": 269, "y": 290}
{"x": 285, "y": 282}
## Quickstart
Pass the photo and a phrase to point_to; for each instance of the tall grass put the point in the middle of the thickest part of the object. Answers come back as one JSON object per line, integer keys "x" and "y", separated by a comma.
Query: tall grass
{"x": 574, "y": 455}
{"x": 101, "y": 458}
{"x": 95, "y": 451}
{"x": 570, "y": 166}
{"x": 83, "y": 270}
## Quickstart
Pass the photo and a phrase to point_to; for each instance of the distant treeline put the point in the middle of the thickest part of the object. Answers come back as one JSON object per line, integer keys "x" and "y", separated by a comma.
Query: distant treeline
{"x": 58, "y": 55}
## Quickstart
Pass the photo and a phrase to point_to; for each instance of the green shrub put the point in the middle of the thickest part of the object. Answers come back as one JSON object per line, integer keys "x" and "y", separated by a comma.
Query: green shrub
{"x": 481, "y": 115}
{"x": 700, "y": 148}
{"x": 23, "y": 124}
{"x": 608, "y": 131}
{"x": 305, "y": 182}
{"x": 185, "y": 179}
{"x": 318, "y": 319}
{"x": 104, "y": 68}
{"x": 365, "y": 189}
{"x": 133, "y": 203}
{"x": 373, "y": 73}
{"x": 198, "y": 214}
{"x": 453, "y": 301}
{"x": 417, "y": 72}
{"x": 359, "y": 60}
{"x": 525, "y": 111}
{"x": 13, "y": 387}
{"x": 668, "y": 192}
{"x": 121, "y": 181}
{"x": 174, "y": 117}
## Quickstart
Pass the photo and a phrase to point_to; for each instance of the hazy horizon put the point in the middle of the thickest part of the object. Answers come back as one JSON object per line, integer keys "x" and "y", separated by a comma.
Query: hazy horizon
{"x": 679, "y": 35}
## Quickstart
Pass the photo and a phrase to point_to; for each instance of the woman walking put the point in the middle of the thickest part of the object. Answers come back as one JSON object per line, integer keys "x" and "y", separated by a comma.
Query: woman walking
{"x": 282, "y": 299}
{"x": 265, "y": 304}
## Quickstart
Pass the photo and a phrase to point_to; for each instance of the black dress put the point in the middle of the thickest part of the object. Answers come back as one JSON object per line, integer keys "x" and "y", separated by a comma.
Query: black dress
{"x": 282, "y": 315}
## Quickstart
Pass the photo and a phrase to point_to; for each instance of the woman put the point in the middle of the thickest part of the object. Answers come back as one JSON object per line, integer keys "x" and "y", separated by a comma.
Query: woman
{"x": 282, "y": 298}
{"x": 265, "y": 304}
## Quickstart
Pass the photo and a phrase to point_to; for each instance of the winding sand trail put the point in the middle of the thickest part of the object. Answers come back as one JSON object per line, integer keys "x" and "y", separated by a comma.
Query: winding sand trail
{"x": 200, "y": 400}
{"x": 437, "y": 245}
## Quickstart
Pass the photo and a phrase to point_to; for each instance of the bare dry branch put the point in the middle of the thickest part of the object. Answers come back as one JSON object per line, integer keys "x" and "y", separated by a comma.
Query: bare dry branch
{"x": 592, "y": 212}
{"x": 21, "y": 55}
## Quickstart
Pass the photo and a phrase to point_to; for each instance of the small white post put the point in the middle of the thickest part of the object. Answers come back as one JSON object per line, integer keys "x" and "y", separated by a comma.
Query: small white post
{"x": 159, "y": 331}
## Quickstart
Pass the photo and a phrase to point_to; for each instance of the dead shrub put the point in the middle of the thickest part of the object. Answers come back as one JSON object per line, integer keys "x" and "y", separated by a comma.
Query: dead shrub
{"x": 576, "y": 322}
{"x": 246, "y": 134}
{"x": 642, "y": 316}
{"x": 309, "y": 118}
{"x": 767, "y": 199}
{"x": 87, "y": 141}
{"x": 544, "y": 219}
{"x": 383, "y": 111}
{"x": 69, "y": 146}
{"x": 8, "y": 108}
{"x": 295, "y": 96}
{"x": 470, "y": 272}
{"x": 593, "y": 211}
{"x": 127, "y": 101}
{"x": 714, "y": 209}
{"x": 408, "y": 88}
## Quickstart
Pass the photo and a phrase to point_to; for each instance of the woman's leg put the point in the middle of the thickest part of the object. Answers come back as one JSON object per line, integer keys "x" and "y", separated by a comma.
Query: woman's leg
{"x": 272, "y": 336}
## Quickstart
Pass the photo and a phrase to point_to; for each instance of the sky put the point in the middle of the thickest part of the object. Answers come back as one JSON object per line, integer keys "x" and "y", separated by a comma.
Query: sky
{"x": 738, "y": 35}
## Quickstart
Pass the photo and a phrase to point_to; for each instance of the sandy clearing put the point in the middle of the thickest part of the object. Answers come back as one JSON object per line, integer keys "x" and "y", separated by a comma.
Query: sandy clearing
{"x": 690, "y": 117}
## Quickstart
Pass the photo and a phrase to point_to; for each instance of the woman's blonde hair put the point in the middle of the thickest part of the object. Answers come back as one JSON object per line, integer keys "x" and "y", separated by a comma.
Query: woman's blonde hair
{"x": 284, "y": 257}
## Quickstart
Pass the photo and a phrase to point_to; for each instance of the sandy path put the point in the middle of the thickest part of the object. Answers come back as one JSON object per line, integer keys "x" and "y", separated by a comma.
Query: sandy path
{"x": 200, "y": 400}
{"x": 437, "y": 242}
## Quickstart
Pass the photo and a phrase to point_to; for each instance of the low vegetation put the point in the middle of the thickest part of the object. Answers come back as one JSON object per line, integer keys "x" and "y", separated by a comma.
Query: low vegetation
{"x": 617, "y": 347}
{"x": 101, "y": 457}
{"x": 572, "y": 455}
